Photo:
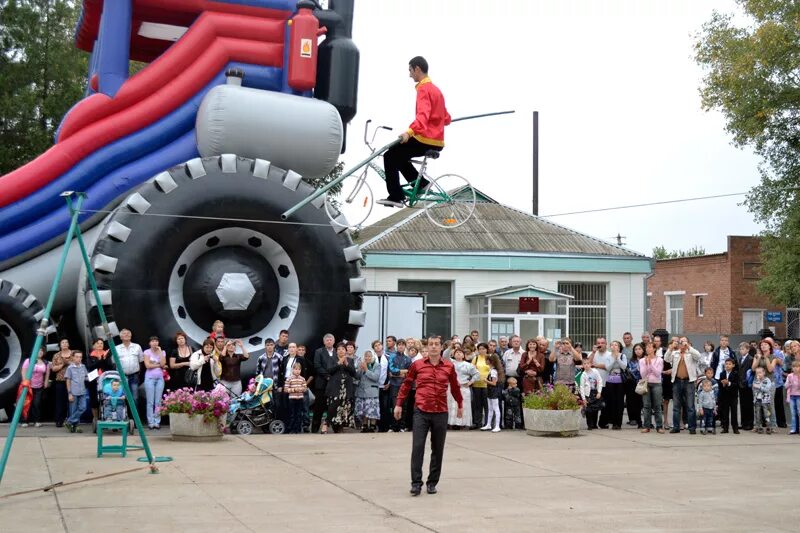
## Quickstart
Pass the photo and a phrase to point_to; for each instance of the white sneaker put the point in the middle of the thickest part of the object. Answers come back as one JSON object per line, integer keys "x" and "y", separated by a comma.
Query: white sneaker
{"x": 25, "y": 425}
{"x": 37, "y": 424}
{"x": 389, "y": 431}
{"x": 388, "y": 202}
{"x": 486, "y": 428}
{"x": 496, "y": 430}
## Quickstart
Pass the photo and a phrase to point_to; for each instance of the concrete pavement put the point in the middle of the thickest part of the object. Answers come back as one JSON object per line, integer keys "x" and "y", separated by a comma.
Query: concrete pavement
{"x": 603, "y": 480}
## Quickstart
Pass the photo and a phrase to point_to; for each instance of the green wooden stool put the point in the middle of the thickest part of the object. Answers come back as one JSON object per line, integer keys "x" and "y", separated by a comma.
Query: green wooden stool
{"x": 114, "y": 448}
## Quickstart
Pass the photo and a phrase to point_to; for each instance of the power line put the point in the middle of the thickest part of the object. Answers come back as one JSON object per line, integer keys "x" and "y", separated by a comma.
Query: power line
{"x": 649, "y": 204}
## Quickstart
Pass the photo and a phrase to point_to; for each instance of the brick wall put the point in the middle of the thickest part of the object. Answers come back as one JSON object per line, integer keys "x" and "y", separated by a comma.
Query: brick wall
{"x": 729, "y": 279}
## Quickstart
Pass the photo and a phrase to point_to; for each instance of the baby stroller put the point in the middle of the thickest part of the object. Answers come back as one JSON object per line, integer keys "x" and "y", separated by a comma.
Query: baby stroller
{"x": 111, "y": 408}
{"x": 255, "y": 409}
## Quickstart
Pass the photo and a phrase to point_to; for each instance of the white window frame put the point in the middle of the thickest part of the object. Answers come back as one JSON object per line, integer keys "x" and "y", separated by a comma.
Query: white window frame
{"x": 668, "y": 314}
{"x": 700, "y": 303}
{"x": 428, "y": 305}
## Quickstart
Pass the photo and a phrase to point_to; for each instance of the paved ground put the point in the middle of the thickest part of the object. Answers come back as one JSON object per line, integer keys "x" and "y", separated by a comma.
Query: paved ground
{"x": 603, "y": 480}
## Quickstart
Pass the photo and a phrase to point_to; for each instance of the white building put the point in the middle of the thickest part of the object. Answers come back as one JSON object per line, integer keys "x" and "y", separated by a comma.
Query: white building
{"x": 476, "y": 274}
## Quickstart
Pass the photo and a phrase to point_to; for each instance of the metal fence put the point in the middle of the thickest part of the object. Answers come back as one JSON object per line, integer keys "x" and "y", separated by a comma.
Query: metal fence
{"x": 793, "y": 323}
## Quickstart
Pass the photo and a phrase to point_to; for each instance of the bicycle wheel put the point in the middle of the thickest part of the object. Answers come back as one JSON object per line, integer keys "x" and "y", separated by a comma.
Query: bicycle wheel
{"x": 449, "y": 201}
{"x": 355, "y": 201}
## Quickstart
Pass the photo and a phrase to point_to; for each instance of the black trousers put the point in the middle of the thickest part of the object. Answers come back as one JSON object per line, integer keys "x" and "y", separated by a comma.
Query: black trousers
{"x": 746, "y": 407}
{"x": 728, "y": 407}
{"x": 62, "y": 402}
{"x": 780, "y": 408}
{"x": 615, "y": 403}
{"x": 295, "y": 416}
{"x": 480, "y": 406}
{"x": 634, "y": 402}
{"x": 436, "y": 425}
{"x": 408, "y": 409}
{"x": 384, "y": 397}
{"x": 397, "y": 160}
{"x": 320, "y": 406}
{"x": 394, "y": 425}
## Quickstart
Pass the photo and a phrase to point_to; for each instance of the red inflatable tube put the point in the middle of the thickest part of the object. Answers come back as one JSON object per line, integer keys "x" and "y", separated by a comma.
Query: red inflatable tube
{"x": 209, "y": 26}
{"x": 178, "y": 86}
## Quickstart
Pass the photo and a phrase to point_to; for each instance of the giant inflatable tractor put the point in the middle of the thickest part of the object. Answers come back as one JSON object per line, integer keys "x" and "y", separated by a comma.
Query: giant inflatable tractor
{"x": 187, "y": 167}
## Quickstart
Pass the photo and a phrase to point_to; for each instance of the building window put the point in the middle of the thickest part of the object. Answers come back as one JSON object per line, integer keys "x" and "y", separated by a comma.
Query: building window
{"x": 751, "y": 270}
{"x": 588, "y": 312}
{"x": 675, "y": 313}
{"x": 502, "y": 328}
{"x": 648, "y": 298}
{"x": 439, "y": 304}
{"x": 793, "y": 323}
{"x": 699, "y": 305}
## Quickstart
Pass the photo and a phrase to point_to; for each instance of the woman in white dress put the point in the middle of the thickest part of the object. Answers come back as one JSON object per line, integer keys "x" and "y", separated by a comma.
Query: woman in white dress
{"x": 467, "y": 375}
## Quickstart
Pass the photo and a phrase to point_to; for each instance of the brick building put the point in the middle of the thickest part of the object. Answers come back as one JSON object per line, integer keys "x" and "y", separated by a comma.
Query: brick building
{"x": 716, "y": 293}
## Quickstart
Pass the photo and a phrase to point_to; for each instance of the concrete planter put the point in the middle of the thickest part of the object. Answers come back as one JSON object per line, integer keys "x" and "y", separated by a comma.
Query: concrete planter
{"x": 185, "y": 427}
{"x": 547, "y": 423}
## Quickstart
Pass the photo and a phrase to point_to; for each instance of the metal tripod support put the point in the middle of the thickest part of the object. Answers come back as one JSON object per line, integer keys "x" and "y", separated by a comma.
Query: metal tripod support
{"x": 74, "y": 203}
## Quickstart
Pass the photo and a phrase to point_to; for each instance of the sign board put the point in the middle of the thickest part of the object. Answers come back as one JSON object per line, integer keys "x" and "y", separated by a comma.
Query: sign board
{"x": 528, "y": 304}
{"x": 774, "y": 316}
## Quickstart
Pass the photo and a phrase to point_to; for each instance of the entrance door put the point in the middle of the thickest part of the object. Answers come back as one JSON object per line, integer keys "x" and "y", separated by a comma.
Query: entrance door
{"x": 528, "y": 328}
{"x": 752, "y": 322}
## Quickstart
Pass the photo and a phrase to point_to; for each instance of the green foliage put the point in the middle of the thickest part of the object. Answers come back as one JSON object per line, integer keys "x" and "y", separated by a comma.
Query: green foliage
{"x": 660, "y": 252}
{"x": 558, "y": 398}
{"x": 42, "y": 74}
{"x": 752, "y": 76}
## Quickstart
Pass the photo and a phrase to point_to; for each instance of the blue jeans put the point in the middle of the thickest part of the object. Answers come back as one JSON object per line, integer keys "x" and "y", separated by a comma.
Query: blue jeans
{"x": 652, "y": 406}
{"x": 133, "y": 383}
{"x": 76, "y": 408}
{"x": 683, "y": 398}
{"x": 794, "y": 409}
{"x": 154, "y": 388}
{"x": 708, "y": 419}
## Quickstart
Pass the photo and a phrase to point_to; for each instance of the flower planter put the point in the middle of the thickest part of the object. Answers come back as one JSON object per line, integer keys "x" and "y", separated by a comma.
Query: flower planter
{"x": 548, "y": 423}
{"x": 185, "y": 427}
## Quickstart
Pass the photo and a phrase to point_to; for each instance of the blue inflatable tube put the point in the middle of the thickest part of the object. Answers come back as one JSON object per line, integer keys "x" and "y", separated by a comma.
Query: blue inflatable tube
{"x": 39, "y": 204}
{"x": 100, "y": 195}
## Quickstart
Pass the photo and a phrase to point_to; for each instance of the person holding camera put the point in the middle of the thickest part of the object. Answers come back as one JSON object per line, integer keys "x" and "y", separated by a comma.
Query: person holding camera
{"x": 685, "y": 371}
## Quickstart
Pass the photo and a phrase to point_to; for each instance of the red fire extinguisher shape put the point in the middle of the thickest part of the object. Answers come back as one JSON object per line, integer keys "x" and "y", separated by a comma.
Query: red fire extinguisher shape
{"x": 304, "y": 28}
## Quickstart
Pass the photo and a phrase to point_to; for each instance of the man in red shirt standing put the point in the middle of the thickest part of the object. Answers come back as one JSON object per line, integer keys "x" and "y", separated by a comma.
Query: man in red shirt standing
{"x": 433, "y": 375}
{"x": 425, "y": 133}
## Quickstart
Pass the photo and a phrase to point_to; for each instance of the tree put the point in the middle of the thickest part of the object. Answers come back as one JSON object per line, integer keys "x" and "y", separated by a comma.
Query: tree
{"x": 42, "y": 74}
{"x": 660, "y": 252}
{"x": 752, "y": 76}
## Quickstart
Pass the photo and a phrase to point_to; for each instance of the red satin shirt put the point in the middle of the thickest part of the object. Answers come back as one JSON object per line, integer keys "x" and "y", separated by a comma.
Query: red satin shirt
{"x": 432, "y": 381}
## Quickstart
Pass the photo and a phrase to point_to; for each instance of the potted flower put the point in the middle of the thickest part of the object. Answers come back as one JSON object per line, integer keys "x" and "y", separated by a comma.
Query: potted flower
{"x": 552, "y": 412}
{"x": 195, "y": 415}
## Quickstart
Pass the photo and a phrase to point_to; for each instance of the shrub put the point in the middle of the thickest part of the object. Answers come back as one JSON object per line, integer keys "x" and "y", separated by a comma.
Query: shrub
{"x": 558, "y": 398}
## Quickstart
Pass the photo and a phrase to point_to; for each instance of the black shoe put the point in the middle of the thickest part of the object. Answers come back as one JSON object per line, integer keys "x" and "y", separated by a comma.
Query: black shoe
{"x": 389, "y": 202}
{"x": 692, "y": 432}
{"x": 415, "y": 490}
{"x": 674, "y": 430}
{"x": 431, "y": 488}
{"x": 603, "y": 427}
{"x": 616, "y": 427}
{"x": 725, "y": 431}
{"x": 632, "y": 422}
{"x": 735, "y": 431}
{"x": 59, "y": 424}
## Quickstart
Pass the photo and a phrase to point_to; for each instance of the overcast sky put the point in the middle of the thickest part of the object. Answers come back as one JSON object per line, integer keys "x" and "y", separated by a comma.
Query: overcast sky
{"x": 617, "y": 92}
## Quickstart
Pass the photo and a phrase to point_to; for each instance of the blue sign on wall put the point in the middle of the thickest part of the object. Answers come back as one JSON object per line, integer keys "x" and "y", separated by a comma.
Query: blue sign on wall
{"x": 774, "y": 316}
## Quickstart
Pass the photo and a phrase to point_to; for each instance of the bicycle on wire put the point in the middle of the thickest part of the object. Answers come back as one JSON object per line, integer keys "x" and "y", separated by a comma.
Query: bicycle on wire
{"x": 448, "y": 200}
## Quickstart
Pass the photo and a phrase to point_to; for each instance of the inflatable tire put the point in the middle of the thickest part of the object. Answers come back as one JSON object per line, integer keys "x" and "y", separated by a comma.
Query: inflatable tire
{"x": 20, "y": 313}
{"x": 204, "y": 241}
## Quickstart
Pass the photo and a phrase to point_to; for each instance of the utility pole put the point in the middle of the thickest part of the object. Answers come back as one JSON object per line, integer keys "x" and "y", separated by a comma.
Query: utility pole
{"x": 535, "y": 199}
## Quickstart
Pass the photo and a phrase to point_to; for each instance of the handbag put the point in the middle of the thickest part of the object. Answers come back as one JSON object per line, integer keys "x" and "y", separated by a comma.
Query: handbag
{"x": 642, "y": 387}
{"x": 190, "y": 376}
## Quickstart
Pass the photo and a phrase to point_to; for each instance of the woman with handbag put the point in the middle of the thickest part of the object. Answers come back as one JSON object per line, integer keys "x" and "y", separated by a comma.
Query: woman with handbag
{"x": 203, "y": 371}
{"x": 650, "y": 368}
{"x": 633, "y": 401}
{"x": 179, "y": 362}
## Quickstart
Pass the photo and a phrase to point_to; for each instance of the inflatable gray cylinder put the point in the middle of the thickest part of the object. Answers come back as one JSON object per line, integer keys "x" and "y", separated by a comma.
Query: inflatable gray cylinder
{"x": 293, "y": 132}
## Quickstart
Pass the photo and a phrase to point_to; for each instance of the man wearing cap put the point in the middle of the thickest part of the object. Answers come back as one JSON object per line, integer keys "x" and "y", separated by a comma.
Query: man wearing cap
{"x": 432, "y": 374}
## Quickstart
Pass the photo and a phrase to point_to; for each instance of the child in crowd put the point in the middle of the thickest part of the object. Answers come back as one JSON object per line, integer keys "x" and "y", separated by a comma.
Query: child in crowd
{"x": 76, "y": 377}
{"x": 114, "y": 408}
{"x": 493, "y": 394}
{"x": 591, "y": 388}
{"x": 708, "y": 406}
{"x": 762, "y": 401}
{"x": 217, "y": 330}
{"x": 40, "y": 380}
{"x": 793, "y": 395}
{"x": 308, "y": 395}
{"x": 296, "y": 388}
{"x": 709, "y": 376}
{"x": 729, "y": 396}
{"x": 512, "y": 401}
